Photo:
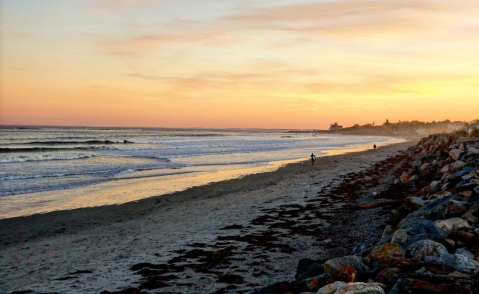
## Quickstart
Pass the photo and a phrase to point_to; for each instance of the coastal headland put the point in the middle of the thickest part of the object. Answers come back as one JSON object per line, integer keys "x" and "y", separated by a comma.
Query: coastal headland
{"x": 249, "y": 234}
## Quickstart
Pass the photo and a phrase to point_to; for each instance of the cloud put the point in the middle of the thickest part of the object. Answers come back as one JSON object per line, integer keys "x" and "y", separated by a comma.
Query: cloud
{"x": 108, "y": 6}
{"x": 219, "y": 80}
{"x": 286, "y": 26}
{"x": 353, "y": 17}
{"x": 155, "y": 42}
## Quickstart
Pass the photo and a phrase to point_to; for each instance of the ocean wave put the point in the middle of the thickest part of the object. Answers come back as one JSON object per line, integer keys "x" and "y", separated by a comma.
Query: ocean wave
{"x": 43, "y": 158}
{"x": 26, "y": 177}
{"x": 127, "y": 171}
{"x": 87, "y": 142}
{"x": 44, "y": 149}
{"x": 54, "y": 175}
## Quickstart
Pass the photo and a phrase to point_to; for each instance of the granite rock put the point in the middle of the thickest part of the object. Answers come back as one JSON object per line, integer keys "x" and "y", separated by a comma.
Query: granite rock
{"x": 455, "y": 153}
{"x": 331, "y": 288}
{"x": 456, "y": 208}
{"x": 385, "y": 276}
{"x": 415, "y": 202}
{"x": 400, "y": 236}
{"x": 333, "y": 265}
{"x": 385, "y": 255}
{"x": 458, "y": 165}
{"x": 451, "y": 224}
{"x": 360, "y": 288}
{"x": 424, "y": 248}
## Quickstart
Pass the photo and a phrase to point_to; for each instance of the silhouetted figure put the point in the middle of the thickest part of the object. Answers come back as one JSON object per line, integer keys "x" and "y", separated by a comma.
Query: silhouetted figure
{"x": 374, "y": 146}
{"x": 313, "y": 158}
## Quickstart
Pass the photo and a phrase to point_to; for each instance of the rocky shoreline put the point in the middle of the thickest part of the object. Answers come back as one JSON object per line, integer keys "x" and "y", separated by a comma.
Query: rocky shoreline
{"x": 431, "y": 242}
{"x": 394, "y": 222}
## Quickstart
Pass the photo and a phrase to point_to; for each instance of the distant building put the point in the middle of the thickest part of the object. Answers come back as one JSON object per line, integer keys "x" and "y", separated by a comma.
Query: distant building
{"x": 422, "y": 131}
{"x": 471, "y": 127}
{"x": 454, "y": 126}
{"x": 435, "y": 130}
{"x": 335, "y": 127}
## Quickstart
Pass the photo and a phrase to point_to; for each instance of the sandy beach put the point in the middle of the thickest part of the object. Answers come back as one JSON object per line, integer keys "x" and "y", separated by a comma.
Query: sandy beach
{"x": 233, "y": 235}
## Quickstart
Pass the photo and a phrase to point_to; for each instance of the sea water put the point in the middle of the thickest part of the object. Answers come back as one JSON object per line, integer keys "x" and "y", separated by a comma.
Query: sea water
{"x": 45, "y": 169}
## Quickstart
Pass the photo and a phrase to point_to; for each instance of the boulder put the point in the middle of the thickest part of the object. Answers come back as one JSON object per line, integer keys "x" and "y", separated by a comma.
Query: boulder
{"x": 388, "y": 231}
{"x": 457, "y": 165}
{"x": 424, "y": 248}
{"x": 333, "y": 265}
{"x": 315, "y": 283}
{"x": 385, "y": 276}
{"x": 415, "y": 202}
{"x": 404, "y": 178}
{"x": 463, "y": 172}
{"x": 455, "y": 262}
{"x": 434, "y": 187}
{"x": 456, "y": 208}
{"x": 308, "y": 268}
{"x": 466, "y": 185}
{"x": 455, "y": 153}
{"x": 451, "y": 224}
{"x": 384, "y": 255}
{"x": 465, "y": 252}
{"x": 466, "y": 265}
{"x": 461, "y": 236}
{"x": 347, "y": 275}
{"x": 418, "y": 226}
{"x": 331, "y": 288}
{"x": 429, "y": 283}
{"x": 445, "y": 169}
{"x": 433, "y": 210}
{"x": 425, "y": 169}
{"x": 414, "y": 178}
{"x": 400, "y": 236}
{"x": 446, "y": 261}
{"x": 472, "y": 151}
{"x": 472, "y": 215}
{"x": 360, "y": 288}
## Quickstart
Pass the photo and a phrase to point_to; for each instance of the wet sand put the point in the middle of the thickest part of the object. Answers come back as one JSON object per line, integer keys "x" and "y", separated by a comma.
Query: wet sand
{"x": 237, "y": 234}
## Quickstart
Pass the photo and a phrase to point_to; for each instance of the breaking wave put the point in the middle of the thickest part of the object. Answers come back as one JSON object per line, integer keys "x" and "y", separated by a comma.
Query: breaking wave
{"x": 88, "y": 142}
{"x": 43, "y": 158}
{"x": 44, "y": 149}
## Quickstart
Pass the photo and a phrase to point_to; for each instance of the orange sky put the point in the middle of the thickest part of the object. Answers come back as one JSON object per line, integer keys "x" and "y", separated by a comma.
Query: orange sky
{"x": 246, "y": 64}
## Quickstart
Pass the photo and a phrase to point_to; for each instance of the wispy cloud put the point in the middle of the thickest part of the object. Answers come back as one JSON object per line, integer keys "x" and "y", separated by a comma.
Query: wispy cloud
{"x": 108, "y": 6}
{"x": 155, "y": 42}
{"x": 344, "y": 17}
{"x": 348, "y": 19}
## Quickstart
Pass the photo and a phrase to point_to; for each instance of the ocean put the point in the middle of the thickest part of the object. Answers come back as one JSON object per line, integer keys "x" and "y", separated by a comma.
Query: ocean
{"x": 45, "y": 169}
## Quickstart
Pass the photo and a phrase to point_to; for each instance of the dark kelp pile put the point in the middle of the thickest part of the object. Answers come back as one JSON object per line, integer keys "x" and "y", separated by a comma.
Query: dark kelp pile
{"x": 329, "y": 219}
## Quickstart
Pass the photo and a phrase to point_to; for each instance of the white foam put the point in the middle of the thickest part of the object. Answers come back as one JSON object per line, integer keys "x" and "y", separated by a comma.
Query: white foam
{"x": 22, "y": 177}
{"x": 43, "y": 157}
{"x": 127, "y": 171}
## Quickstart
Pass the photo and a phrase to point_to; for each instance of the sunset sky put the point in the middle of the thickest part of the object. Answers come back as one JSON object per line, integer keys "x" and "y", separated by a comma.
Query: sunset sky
{"x": 232, "y": 63}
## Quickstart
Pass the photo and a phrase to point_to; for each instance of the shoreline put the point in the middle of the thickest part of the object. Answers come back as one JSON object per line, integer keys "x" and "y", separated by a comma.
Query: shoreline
{"x": 123, "y": 190}
{"x": 198, "y": 214}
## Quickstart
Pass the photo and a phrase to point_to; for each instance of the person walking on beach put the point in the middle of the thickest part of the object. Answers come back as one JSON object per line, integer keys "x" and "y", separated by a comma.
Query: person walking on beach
{"x": 313, "y": 158}
{"x": 374, "y": 146}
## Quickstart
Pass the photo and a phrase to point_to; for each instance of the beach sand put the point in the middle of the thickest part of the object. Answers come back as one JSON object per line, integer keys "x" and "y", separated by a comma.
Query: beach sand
{"x": 238, "y": 234}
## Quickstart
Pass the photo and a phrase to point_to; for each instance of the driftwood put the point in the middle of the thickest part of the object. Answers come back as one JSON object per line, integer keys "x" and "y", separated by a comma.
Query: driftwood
{"x": 374, "y": 205}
